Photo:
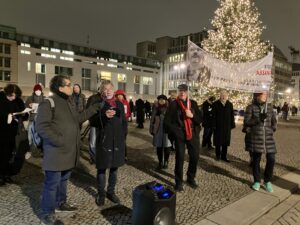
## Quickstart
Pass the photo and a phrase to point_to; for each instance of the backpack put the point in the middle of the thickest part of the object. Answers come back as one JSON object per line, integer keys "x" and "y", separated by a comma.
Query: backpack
{"x": 36, "y": 139}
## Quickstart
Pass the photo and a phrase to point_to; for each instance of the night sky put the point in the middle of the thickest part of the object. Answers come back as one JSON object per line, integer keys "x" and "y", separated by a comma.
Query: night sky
{"x": 117, "y": 25}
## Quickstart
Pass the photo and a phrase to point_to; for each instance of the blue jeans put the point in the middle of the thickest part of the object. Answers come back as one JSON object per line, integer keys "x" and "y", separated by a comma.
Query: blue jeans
{"x": 207, "y": 134}
{"x": 55, "y": 190}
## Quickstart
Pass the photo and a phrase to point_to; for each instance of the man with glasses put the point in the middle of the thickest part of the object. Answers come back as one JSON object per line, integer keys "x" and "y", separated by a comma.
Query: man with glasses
{"x": 59, "y": 129}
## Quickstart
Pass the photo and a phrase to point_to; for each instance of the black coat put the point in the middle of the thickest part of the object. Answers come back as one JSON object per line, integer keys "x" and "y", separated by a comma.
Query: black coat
{"x": 110, "y": 138}
{"x": 208, "y": 117}
{"x": 94, "y": 120}
{"x": 9, "y": 131}
{"x": 174, "y": 124}
{"x": 140, "y": 111}
{"x": 223, "y": 122}
{"x": 259, "y": 134}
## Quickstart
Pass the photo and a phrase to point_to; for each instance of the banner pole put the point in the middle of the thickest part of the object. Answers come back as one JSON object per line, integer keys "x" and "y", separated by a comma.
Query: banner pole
{"x": 188, "y": 83}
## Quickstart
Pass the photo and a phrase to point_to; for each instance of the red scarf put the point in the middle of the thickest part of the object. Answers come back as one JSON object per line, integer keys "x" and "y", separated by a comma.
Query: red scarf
{"x": 111, "y": 102}
{"x": 186, "y": 120}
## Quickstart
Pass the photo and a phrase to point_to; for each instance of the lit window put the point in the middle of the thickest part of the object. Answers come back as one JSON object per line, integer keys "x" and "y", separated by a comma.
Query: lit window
{"x": 147, "y": 80}
{"x": 68, "y": 52}
{"x": 105, "y": 75}
{"x": 48, "y": 56}
{"x": 40, "y": 68}
{"x": 25, "y": 52}
{"x": 28, "y": 66}
{"x": 25, "y": 45}
{"x": 112, "y": 60}
{"x": 112, "y": 65}
{"x": 55, "y": 50}
{"x": 128, "y": 68}
{"x": 101, "y": 64}
{"x": 45, "y": 48}
{"x": 66, "y": 58}
{"x": 121, "y": 77}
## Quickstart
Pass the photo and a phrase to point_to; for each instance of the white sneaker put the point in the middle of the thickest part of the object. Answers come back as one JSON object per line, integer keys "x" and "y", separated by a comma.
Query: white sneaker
{"x": 27, "y": 155}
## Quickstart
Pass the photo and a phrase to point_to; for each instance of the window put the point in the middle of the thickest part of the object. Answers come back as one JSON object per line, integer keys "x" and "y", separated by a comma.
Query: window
{"x": 122, "y": 86}
{"x": 60, "y": 70}
{"x": 1, "y": 48}
{"x": 7, "y": 49}
{"x": 137, "y": 79}
{"x": 40, "y": 68}
{"x": 147, "y": 80}
{"x": 86, "y": 78}
{"x": 25, "y": 52}
{"x": 7, "y": 62}
{"x": 121, "y": 77}
{"x": 28, "y": 66}
{"x": 40, "y": 79}
{"x": 105, "y": 75}
{"x": 146, "y": 89}
{"x": 1, "y": 61}
{"x": 4, "y": 75}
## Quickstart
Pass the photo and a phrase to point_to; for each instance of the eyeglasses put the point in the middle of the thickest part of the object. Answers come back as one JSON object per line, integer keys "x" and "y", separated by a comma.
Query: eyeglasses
{"x": 68, "y": 85}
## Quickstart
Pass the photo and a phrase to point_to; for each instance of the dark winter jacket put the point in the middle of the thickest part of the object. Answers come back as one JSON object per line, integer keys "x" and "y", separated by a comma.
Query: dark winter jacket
{"x": 208, "y": 119}
{"x": 34, "y": 99}
{"x": 160, "y": 137}
{"x": 9, "y": 131}
{"x": 223, "y": 122}
{"x": 259, "y": 134}
{"x": 78, "y": 101}
{"x": 94, "y": 120}
{"x": 174, "y": 123}
{"x": 110, "y": 141}
{"x": 60, "y": 133}
{"x": 140, "y": 111}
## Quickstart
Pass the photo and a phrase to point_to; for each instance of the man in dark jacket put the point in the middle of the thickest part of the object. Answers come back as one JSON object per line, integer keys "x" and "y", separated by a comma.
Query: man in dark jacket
{"x": 140, "y": 113}
{"x": 59, "y": 129}
{"x": 223, "y": 123}
{"x": 259, "y": 125}
{"x": 208, "y": 122}
{"x": 182, "y": 122}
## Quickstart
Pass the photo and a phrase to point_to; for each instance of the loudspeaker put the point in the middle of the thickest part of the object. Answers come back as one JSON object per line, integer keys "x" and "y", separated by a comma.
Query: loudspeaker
{"x": 153, "y": 204}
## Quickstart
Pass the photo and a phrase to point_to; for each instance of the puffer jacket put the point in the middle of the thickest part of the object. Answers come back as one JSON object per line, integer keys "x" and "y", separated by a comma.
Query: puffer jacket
{"x": 259, "y": 134}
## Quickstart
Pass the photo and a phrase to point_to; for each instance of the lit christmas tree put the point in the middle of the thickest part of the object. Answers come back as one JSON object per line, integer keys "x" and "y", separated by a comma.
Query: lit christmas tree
{"x": 235, "y": 38}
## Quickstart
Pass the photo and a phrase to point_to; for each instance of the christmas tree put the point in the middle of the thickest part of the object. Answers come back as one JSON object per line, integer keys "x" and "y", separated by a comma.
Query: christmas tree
{"x": 235, "y": 38}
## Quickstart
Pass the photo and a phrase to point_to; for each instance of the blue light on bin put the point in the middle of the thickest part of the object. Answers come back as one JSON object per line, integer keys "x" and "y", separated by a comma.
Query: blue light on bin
{"x": 158, "y": 187}
{"x": 166, "y": 195}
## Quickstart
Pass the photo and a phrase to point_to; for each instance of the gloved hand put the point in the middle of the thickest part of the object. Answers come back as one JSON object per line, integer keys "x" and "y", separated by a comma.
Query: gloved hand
{"x": 263, "y": 116}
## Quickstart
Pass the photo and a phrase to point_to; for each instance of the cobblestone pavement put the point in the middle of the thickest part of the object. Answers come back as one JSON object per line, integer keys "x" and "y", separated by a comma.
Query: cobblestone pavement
{"x": 292, "y": 216}
{"x": 219, "y": 183}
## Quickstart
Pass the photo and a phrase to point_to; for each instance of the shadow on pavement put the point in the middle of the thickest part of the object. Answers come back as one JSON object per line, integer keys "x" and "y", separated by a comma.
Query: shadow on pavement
{"x": 117, "y": 214}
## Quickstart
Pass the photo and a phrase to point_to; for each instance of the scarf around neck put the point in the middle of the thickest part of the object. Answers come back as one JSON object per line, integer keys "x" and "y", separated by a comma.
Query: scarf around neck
{"x": 186, "y": 120}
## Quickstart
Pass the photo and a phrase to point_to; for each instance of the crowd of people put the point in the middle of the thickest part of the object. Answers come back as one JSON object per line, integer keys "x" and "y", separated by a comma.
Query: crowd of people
{"x": 175, "y": 122}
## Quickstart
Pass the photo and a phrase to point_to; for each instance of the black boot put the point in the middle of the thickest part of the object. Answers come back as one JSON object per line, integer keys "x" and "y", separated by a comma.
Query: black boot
{"x": 165, "y": 165}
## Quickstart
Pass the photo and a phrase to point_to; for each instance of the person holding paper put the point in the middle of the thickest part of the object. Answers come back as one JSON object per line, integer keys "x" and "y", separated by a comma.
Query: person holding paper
{"x": 33, "y": 102}
{"x": 10, "y": 102}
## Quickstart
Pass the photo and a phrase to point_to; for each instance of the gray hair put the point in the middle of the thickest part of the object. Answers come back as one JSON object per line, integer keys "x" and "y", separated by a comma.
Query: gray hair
{"x": 103, "y": 84}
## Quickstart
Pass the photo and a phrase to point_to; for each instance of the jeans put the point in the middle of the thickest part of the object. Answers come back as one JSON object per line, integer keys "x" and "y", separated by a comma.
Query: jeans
{"x": 207, "y": 134}
{"x": 256, "y": 157}
{"x": 163, "y": 154}
{"x": 55, "y": 190}
{"x": 112, "y": 181}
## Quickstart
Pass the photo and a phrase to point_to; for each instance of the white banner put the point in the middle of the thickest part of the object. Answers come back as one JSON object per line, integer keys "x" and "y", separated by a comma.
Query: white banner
{"x": 255, "y": 76}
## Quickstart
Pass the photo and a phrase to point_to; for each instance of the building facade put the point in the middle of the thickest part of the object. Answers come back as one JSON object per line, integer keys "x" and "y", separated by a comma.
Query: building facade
{"x": 27, "y": 60}
{"x": 295, "y": 84}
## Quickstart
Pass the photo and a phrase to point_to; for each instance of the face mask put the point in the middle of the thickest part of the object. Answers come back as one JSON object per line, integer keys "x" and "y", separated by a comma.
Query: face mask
{"x": 38, "y": 92}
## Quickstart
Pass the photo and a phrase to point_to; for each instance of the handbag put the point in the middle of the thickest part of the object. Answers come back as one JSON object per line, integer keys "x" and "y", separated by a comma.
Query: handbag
{"x": 21, "y": 147}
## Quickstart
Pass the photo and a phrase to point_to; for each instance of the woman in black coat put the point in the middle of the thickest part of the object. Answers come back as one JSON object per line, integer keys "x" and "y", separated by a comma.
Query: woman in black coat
{"x": 223, "y": 123}
{"x": 140, "y": 113}
{"x": 259, "y": 125}
{"x": 10, "y": 102}
{"x": 110, "y": 143}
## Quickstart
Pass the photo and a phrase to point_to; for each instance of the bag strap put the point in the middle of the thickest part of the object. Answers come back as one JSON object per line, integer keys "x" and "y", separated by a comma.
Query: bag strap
{"x": 52, "y": 104}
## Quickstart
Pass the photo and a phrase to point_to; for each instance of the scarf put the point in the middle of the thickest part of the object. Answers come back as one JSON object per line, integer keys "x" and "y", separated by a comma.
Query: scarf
{"x": 111, "y": 102}
{"x": 186, "y": 120}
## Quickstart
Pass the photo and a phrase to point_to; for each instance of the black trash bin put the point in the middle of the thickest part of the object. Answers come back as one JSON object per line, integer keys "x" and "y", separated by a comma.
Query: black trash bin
{"x": 154, "y": 204}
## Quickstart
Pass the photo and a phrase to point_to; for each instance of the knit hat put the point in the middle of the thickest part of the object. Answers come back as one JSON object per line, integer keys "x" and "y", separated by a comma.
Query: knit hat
{"x": 37, "y": 87}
